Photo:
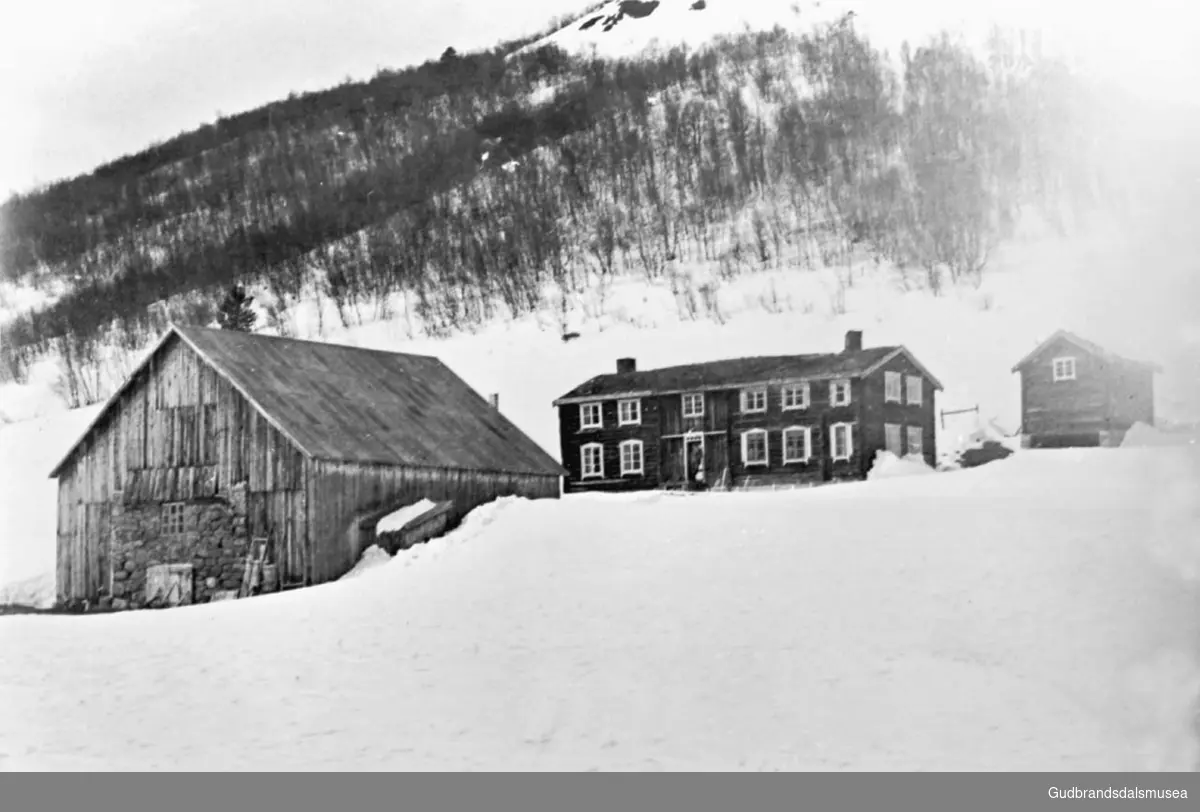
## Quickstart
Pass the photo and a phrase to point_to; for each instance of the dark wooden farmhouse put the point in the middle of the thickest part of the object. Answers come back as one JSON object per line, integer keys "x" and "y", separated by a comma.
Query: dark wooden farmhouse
{"x": 747, "y": 421}
{"x": 1075, "y": 393}
{"x": 222, "y": 443}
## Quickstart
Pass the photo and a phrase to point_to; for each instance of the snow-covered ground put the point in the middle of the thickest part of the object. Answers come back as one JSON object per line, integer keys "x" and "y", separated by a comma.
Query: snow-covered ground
{"x": 1028, "y": 615}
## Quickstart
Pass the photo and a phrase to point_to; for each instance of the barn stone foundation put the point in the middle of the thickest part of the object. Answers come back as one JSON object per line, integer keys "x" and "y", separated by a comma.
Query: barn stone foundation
{"x": 214, "y": 541}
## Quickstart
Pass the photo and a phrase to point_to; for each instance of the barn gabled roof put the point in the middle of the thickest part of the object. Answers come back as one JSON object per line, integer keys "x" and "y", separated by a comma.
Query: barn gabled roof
{"x": 354, "y": 405}
{"x": 1089, "y": 347}
{"x": 732, "y": 373}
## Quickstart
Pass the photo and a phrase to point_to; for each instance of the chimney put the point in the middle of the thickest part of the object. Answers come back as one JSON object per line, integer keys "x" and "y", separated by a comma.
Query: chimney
{"x": 853, "y": 341}
{"x": 494, "y": 399}
{"x": 626, "y": 365}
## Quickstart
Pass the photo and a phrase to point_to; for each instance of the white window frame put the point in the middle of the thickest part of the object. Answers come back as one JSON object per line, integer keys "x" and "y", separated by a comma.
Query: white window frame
{"x": 692, "y": 397}
{"x": 792, "y": 389}
{"x": 888, "y": 430}
{"x": 833, "y": 432}
{"x": 806, "y": 431}
{"x": 914, "y": 384}
{"x": 583, "y": 461}
{"x": 908, "y": 440}
{"x": 174, "y": 516}
{"x": 765, "y": 461}
{"x": 757, "y": 393}
{"x": 1068, "y": 371}
{"x": 892, "y": 389}
{"x": 641, "y": 458}
{"x": 584, "y": 410}
{"x": 833, "y": 389}
{"x": 636, "y": 419}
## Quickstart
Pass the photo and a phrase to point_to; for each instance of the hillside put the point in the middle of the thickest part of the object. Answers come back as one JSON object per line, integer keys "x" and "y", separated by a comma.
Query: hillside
{"x": 494, "y": 185}
{"x": 962, "y": 621}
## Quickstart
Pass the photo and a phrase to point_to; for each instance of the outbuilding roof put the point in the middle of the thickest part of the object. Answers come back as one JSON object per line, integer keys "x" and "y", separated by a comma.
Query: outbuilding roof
{"x": 1089, "y": 347}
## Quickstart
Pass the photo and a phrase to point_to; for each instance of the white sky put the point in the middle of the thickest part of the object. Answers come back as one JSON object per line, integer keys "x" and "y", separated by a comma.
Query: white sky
{"x": 86, "y": 81}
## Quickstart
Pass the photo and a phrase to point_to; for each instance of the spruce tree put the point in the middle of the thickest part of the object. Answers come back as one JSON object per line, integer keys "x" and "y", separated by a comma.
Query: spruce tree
{"x": 234, "y": 312}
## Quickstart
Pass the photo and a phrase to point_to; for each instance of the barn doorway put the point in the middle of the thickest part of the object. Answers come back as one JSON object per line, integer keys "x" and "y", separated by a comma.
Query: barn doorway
{"x": 693, "y": 458}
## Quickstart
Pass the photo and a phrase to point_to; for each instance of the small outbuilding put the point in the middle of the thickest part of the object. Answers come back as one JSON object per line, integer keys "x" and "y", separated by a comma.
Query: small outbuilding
{"x": 1075, "y": 393}
{"x": 225, "y": 446}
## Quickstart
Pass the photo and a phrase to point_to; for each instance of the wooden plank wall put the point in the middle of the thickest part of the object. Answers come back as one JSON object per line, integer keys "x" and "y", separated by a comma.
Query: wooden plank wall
{"x": 181, "y": 431}
{"x": 341, "y": 492}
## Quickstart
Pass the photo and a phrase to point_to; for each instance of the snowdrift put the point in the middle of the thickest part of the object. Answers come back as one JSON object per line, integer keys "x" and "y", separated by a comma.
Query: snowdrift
{"x": 1021, "y": 616}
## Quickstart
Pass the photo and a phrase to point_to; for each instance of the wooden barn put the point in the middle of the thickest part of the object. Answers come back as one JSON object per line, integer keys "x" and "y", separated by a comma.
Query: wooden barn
{"x": 225, "y": 445}
{"x": 1076, "y": 393}
{"x": 747, "y": 422}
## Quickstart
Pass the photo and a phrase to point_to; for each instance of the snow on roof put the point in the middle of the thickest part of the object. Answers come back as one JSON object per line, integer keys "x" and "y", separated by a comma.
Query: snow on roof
{"x": 397, "y": 519}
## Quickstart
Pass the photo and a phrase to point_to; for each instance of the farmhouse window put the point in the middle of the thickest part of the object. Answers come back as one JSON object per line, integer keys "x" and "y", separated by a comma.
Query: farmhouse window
{"x": 891, "y": 387}
{"x": 172, "y": 519}
{"x": 592, "y": 456}
{"x": 631, "y": 457}
{"x": 891, "y": 438}
{"x": 754, "y": 400}
{"x": 589, "y": 416}
{"x": 843, "y": 441}
{"x": 754, "y": 447}
{"x": 1064, "y": 369}
{"x": 916, "y": 440}
{"x": 693, "y": 405}
{"x": 795, "y": 396}
{"x": 797, "y": 444}
{"x": 914, "y": 389}
{"x": 629, "y": 412}
{"x": 839, "y": 393}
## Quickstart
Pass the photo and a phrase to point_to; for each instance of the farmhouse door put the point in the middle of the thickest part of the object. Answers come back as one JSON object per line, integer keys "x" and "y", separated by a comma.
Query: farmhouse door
{"x": 693, "y": 454}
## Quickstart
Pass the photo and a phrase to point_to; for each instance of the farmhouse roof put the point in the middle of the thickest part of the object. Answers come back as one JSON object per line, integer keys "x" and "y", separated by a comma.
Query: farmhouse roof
{"x": 738, "y": 372}
{"x": 1087, "y": 346}
{"x": 354, "y": 405}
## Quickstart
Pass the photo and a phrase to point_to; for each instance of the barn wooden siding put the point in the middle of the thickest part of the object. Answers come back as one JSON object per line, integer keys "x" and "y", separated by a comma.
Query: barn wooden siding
{"x": 179, "y": 432}
{"x": 339, "y": 494}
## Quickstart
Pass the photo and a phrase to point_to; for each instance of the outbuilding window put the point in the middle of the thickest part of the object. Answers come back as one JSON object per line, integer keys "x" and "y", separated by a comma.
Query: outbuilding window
{"x": 172, "y": 519}
{"x": 1064, "y": 369}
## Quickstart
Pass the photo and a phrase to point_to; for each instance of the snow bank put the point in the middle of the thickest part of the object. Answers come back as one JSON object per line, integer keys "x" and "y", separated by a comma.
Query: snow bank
{"x": 888, "y": 466}
{"x": 1143, "y": 436}
{"x": 36, "y": 591}
{"x": 28, "y": 500}
{"x": 372, "y": 558}
{"x": 397, "y": 519}
{"x": 1030, "y": 627}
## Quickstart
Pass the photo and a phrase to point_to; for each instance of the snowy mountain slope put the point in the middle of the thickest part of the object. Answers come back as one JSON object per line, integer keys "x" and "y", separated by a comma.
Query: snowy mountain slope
{"x": 1028, "y": 615}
